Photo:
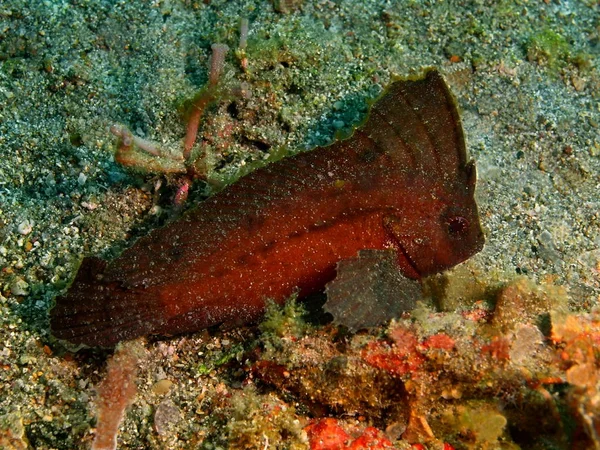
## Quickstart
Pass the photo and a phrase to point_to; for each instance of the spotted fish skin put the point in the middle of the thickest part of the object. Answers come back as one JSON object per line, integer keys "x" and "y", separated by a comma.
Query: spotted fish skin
{"x": 401, "y": 181}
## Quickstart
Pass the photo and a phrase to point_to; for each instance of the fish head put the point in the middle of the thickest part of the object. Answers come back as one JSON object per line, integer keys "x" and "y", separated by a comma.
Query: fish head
{"x": 439, "y": 229}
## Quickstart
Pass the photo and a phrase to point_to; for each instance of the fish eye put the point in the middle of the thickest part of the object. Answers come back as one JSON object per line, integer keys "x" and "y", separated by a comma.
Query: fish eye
{"x": 457, "y": 225}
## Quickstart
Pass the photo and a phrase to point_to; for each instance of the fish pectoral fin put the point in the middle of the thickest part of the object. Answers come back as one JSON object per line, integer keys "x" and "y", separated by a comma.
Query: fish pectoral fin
{"x": 369, "y": 290}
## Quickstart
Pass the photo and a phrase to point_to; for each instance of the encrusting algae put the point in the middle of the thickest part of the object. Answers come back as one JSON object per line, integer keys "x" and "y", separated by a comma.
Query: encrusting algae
{"x": 500, "y": 376}
{"x": 451, "y": 380}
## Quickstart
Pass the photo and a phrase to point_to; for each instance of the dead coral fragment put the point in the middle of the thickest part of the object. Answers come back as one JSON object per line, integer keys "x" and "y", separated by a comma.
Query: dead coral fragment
{"x": 116, "y": 392}
{"x": 145, "y": 156}
{"x": 522, "y": 301}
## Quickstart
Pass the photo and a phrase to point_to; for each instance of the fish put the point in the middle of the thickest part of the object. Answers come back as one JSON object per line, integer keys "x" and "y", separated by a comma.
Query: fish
{"x": 402, "y": 181}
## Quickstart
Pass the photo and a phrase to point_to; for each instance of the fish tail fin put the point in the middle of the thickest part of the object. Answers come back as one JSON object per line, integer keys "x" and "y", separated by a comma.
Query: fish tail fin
{"x": 100, "y": 312}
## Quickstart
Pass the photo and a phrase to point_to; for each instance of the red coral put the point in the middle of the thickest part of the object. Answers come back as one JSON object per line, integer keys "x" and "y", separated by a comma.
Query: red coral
{"x": 439, "y": 341}
{"x": 327, "y": 434}
{"x": 398, "y": 359}
{"x": 371, "y": 438}
{"x": 498, "y": 349}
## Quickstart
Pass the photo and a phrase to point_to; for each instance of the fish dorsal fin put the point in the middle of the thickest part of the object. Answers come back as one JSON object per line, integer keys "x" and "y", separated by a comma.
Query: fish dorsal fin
{"x": 417, "y": 122}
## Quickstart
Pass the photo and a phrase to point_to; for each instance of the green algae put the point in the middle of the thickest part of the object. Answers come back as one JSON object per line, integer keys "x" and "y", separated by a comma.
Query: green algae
{"x": 548, "y": 47}
{"x": 282, "y": 323}
{"x": 259, "y": 421}
{"x": 216, "y": 361}
{"x": 482, "y": 422}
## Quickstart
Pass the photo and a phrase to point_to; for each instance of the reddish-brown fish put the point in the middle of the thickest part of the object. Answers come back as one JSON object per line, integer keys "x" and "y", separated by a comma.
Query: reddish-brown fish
{"x": 401, "y": 181}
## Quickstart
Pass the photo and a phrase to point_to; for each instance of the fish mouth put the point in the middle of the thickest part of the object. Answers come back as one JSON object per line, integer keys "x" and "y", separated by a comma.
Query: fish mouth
{"x": 408, "y": 265}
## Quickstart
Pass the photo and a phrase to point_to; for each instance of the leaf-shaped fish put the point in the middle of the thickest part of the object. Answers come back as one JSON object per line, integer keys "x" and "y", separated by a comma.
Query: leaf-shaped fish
{"x": 401, "y": 181}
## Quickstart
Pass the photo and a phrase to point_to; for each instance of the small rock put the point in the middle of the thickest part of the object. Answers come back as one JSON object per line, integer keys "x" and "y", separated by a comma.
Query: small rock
{"x": 19, "y": 287}
{"x": 25, "y": 227}
{"x": 162, "y": 387}
{"x": 166, "y": 417}
{"x": 522, "y": 302}
{"x": 528, "y": 338}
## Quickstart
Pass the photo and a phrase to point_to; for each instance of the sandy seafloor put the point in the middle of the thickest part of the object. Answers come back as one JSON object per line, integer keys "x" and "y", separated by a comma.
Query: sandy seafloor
{"x": 525, "y": 75}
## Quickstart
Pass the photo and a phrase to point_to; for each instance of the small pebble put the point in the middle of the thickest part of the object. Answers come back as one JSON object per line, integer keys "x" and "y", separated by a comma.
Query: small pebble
{"x": 25, "y": 227}
{"x": 162, "y": 387}
{"x": 166, "y": 417}
{"x": 89, "y": 205}
{"x": 19, "y": 287}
